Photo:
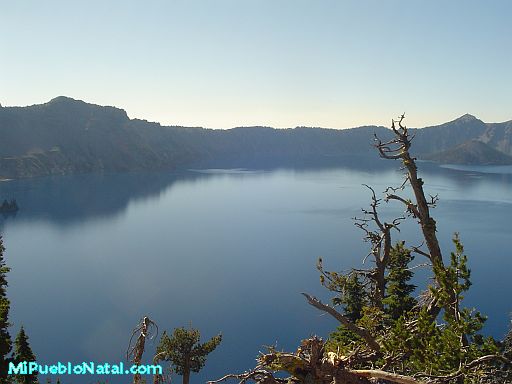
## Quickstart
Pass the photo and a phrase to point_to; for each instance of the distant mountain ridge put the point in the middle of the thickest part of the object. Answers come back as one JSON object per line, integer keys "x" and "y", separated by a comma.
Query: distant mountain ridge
{"x": 67, "y": 136}
{"x": 472, "y": 152}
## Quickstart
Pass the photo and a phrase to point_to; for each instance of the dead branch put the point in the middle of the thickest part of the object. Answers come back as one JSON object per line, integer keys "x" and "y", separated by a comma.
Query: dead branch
{"x": 383, "y": 375}
{"x": 380, "y": 240}
{"x": 401, "y": 187}
{"x": 363, "y": 333}
{"x": 487, "y": 358}
{"x": 262, "y": 376}
{"x": 421, "y": 252}
{"x": 466, "y": 367}
{"x": 411, "y": 208}
{"x": 419, "y": 266}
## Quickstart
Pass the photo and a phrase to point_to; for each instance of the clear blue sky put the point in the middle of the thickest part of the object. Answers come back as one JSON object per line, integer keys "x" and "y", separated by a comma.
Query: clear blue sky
{"x": 282, "y": 63}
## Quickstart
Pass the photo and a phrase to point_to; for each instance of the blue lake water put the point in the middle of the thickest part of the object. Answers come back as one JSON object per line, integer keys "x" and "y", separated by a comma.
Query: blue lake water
{"x": 222, "y": 250}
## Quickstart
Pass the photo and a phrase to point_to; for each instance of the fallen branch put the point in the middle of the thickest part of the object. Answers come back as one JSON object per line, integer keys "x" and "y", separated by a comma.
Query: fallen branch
{"x": 383, "y": 375}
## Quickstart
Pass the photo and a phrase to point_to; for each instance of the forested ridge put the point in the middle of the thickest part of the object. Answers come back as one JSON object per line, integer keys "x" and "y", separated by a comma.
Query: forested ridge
{"x": 66, "y": 136}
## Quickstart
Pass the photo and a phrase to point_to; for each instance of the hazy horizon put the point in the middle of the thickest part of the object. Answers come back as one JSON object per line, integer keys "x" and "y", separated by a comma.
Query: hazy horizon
{"x": 249, "y": 126}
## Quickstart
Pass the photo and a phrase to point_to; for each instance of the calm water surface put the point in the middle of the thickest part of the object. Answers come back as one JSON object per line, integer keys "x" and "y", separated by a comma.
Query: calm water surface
{"x": 224, "y": 251}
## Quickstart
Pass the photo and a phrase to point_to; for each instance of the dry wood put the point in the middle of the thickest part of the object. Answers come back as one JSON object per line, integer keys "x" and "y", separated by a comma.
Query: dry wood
{"x": 363, "y": 333}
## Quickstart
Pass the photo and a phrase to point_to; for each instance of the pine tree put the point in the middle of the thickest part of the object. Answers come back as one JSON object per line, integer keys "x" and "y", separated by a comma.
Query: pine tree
{"x": 5, "y": 338}
{"x": 353, "y": 299}
{"x": 398, "y": 300}
{"x": 184, "y": 351}
{"x": 23, "y": 352}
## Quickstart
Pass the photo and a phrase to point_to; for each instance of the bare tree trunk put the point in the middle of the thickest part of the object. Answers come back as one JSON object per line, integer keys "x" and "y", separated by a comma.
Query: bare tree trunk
{"x": 186, "y": 375}
{"x": 135, "y": 352}
{"x": 398, "y": 149}
{"x": 428, "y": 224}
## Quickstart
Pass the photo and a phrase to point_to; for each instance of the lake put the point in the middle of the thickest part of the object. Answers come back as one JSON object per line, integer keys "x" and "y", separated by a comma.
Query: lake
{"x": 224, "y": 251}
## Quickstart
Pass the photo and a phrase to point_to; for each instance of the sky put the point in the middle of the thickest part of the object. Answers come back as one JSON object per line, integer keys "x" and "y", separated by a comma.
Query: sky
{"x": 280, "y": 63}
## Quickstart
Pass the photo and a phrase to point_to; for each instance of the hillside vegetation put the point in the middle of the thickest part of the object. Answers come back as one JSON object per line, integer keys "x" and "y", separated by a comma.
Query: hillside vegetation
{"x": 67, "y": 136}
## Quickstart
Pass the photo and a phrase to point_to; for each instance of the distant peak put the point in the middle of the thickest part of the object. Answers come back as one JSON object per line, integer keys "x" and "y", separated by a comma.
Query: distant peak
{"x": 61, "y": 99}
{"x": 69, "y": 105}
{"x": 467, "y": 117}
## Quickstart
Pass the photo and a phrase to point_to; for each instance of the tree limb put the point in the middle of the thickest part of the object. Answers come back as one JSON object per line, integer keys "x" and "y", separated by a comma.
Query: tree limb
{"x": 383, "y": 375}
{"x": 363, "y": 333}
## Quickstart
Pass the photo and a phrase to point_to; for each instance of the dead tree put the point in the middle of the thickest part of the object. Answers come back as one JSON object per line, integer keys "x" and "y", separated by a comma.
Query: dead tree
{"x": 398, "y": 149}
{"x": 146, "y": 329}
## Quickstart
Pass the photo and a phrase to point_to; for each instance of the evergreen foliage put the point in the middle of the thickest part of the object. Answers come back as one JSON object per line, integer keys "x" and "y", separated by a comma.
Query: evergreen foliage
{"x": 5, "y": 338}
{"x": 23, "y": 352}
{"x": 411, "y": 341}
{"x": 184, "y": 351}
{"x": 398, "y": 300}
{"x": 353, "y": 299}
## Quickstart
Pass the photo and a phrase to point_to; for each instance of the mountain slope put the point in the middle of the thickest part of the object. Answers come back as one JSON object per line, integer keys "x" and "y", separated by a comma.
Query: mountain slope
{"x": 471, "y": 152}
{"x": 499, "y": 136}
{"x": 437, "y": 138}
{"x": 70, "y": 136}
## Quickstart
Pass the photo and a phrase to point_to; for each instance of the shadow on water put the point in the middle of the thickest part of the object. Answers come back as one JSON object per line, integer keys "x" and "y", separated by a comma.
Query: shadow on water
{"x": 68, "y": 199}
